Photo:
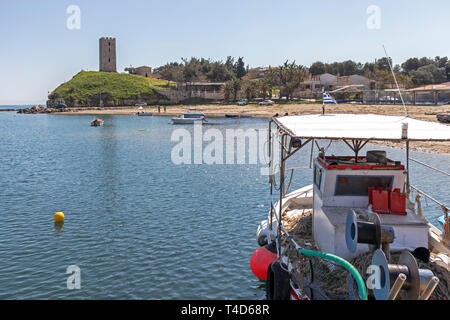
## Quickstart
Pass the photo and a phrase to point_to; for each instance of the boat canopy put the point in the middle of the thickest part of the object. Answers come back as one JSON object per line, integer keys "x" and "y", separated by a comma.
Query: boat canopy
{"x": 362, "y": 127}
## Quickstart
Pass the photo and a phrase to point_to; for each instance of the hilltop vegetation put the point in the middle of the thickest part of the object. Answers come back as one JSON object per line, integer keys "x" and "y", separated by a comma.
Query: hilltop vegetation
{"x": 88, "y": 87}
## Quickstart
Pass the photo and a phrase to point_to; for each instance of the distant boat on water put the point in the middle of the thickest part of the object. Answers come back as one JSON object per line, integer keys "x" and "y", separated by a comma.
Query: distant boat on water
{"x": 144, "y": 114}
{"x": 237, "y": 116}
{"x": 97, "y": 122}
{"x": 189, "y": 118}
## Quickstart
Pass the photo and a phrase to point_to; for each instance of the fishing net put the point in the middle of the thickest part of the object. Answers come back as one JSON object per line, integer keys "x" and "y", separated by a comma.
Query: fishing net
{"x": 323, "y": 279}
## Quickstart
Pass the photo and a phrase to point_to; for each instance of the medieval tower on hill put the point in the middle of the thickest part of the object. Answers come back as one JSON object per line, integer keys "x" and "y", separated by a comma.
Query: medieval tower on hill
{"x": 108, "y": 54}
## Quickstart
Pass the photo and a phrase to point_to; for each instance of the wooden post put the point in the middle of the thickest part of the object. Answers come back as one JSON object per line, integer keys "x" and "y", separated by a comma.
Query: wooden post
{"x": 436, "y": 97}
{"x": 414, "y": 97}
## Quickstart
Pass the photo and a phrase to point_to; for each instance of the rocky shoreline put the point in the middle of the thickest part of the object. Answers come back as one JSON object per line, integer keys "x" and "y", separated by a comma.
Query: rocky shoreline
{"x": 42, "y": 109}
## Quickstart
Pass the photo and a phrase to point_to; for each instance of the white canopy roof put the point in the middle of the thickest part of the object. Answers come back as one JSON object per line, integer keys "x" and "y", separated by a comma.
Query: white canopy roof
{"x": 362, "y": 126}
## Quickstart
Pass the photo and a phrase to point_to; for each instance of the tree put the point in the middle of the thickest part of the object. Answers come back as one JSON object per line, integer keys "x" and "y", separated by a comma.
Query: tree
{"x": 227, "y": 90}
{"x": 317, "y": 68}
{"x": 383, "y": 63}
{"x": 251, "y": 88}
{"x": 240, "y": 68}
{"x": 237, "y": 85}
{"x": 219, "y": 73}
{"x": 172, "y": 71}
{"x": 290, "y": 76}
{"x": 429, "y": 74}
{"x": 412, "y": 64}
{"x": 232, "y": 87}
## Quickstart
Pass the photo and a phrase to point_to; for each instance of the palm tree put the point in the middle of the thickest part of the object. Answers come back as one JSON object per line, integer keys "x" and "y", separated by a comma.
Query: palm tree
{"x": 227, "y": 90}
{"x": 237, "y": 84}
{"x": 250, "y": 89}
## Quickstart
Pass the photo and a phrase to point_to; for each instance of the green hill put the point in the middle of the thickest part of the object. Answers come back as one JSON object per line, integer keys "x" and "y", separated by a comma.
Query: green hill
{"x": 86, "y": 88}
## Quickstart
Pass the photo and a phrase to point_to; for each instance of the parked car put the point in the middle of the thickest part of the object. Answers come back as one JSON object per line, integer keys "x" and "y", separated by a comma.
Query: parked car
{"x": 140, "y": 104}
{"x": 60, "y": 106}
{"x": 242, "y": 102}
{"x": 266, "y": 103}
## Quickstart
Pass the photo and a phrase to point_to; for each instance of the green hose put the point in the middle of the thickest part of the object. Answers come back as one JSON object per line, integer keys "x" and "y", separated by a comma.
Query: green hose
{"x": 347, "y": 265}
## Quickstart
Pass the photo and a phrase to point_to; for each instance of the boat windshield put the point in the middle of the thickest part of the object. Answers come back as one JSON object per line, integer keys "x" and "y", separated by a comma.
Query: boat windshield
{"x": 359, "y": 185}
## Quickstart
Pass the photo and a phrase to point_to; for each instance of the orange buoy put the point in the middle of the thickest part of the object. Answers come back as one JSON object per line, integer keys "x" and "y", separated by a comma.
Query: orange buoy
{"x": 260, "y": 261}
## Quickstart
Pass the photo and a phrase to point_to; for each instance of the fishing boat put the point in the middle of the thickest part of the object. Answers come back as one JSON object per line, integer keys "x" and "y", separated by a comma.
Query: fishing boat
{"x": 189, "y": 118}
{"x": 354, "y": 232}
{"x": 97, "y": 122}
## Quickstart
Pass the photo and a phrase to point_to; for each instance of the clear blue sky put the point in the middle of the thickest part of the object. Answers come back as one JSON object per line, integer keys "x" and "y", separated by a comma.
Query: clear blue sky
{"x": 38, "y": 51}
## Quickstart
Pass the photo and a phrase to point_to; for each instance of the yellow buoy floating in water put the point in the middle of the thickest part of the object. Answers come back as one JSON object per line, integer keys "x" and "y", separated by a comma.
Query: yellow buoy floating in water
{"x": 59, "y": 217}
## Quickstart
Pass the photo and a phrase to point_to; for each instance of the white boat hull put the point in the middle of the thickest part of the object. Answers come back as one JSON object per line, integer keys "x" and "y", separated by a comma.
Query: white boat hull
{"x": 186, "y": 120}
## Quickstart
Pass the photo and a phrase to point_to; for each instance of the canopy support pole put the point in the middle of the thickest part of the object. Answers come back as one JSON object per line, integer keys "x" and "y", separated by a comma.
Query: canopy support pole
{"x": 283, "y": 141}
{"x": 408, "y": 189}
{"x": 356, "y": 146}
{"x": 297, "y": 149}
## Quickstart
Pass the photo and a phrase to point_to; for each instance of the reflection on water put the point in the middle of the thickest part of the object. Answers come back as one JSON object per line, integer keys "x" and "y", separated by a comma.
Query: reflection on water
{"x": 138, "y": 226}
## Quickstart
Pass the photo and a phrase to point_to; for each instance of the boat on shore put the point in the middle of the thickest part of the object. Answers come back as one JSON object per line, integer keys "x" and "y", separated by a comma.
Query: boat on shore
{"x": 97, "y": 122}
{"x": 318, "y": 241}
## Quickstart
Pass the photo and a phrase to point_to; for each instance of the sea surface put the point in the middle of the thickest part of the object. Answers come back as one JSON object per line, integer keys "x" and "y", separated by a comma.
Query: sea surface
{"x": 138, "y": 225}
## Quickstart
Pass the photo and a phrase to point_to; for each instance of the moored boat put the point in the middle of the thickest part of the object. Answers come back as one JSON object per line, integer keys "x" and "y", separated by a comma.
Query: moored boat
{"x": 145, "y": 114}
{"x": 97, "y": 122}
{"x": 189, "y": 118}
{"x": 356, "y": 214}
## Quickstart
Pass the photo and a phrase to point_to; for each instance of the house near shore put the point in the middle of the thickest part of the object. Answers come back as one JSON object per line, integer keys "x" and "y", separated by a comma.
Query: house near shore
{"x": 327, "y": 81}
{"x": 433, "y": 94}
{"x": 315, "y": 83}
{"x": 143, "y": 71}
{"x": 205, "y": 90}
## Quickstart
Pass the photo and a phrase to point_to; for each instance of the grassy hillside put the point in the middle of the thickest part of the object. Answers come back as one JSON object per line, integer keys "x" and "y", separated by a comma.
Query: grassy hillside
{"x": 87, "y": 86}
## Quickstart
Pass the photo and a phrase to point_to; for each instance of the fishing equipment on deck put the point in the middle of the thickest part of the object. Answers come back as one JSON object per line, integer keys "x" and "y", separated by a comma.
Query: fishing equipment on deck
{"x": 370, "y": 232}
{"x": 418, "y": 282}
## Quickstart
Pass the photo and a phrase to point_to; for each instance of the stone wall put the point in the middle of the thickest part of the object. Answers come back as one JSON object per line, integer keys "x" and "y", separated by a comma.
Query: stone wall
{"x": 178, "y": 96}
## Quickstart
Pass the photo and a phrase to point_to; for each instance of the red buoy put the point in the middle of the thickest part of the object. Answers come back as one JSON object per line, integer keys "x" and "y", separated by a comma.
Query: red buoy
{"x": 260, "y": 260}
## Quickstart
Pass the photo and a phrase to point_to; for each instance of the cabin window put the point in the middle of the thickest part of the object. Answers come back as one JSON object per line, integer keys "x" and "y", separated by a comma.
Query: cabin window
{"x": 317, "y": 176}
{"x": 359, "y": 185}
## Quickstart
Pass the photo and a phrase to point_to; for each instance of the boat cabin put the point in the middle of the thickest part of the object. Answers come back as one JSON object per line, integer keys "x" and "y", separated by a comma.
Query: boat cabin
{"x": 371, "y": 183}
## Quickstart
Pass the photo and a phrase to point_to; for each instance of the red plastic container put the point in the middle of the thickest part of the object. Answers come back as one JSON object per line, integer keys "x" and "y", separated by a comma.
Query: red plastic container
{"x": 380, "y": 201}
{"x": 397, "y": 202}
{"x": 370, "y": 195}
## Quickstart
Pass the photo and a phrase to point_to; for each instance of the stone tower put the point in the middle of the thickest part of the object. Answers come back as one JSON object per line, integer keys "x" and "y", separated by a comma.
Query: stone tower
{"x": 108, "y": 54}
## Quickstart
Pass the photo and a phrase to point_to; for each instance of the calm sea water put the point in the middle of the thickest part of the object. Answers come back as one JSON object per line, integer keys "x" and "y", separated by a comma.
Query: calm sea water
{"x": 137, "y": 225}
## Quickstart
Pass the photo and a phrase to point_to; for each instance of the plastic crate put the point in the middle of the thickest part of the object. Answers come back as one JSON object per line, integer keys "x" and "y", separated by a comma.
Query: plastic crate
{"x": 397, "y": 202}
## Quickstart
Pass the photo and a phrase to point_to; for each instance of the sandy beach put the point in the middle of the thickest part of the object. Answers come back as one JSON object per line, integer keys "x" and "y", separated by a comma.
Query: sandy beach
{"x": 427, "y": 113}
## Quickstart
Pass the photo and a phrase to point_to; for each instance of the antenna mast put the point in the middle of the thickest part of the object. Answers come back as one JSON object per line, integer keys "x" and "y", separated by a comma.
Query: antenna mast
{"x": 396, "y": 83}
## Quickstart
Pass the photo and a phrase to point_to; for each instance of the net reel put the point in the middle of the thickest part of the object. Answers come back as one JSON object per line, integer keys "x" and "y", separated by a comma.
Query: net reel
{"x": 370, "y": 232}
{"x": 404, "y": 276}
